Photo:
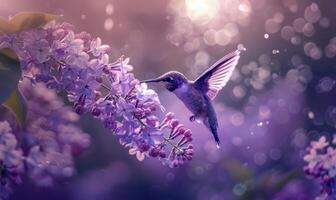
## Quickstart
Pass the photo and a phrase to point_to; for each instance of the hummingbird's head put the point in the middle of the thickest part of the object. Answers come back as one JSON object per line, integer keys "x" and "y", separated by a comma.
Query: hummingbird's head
{"x": 173, "y": 80}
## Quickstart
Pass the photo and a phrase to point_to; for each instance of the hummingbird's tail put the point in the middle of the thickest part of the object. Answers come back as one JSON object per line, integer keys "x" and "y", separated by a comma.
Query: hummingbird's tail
{"x": 211, "y": 123}
{"x": 213, "y": 128}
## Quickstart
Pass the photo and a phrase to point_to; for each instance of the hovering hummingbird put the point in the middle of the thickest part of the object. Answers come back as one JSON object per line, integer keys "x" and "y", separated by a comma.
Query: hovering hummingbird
{"x": 197, "y": 95}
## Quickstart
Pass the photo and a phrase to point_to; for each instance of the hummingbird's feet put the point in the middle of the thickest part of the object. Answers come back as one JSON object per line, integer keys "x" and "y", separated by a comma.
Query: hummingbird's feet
{"x": 192, "y": 118}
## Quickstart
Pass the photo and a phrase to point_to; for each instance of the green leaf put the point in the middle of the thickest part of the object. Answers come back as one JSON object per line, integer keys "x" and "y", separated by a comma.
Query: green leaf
{"x": 25, "y": 20}
{"x": 17, "y": 104}
{"x": 10, "y": 73}
{"x": 5, "y": 26}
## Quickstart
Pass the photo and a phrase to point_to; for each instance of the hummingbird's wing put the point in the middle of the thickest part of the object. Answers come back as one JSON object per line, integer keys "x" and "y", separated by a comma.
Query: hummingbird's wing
{"x": 216, "y": 77}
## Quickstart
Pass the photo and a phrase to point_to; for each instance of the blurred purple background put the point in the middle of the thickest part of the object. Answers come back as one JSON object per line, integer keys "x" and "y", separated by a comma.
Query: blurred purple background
{"x": 280, "y": 96}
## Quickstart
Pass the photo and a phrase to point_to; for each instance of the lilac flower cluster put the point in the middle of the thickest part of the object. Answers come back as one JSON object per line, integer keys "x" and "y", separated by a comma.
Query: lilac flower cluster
{"x": 79, "y": 64}
{"x": 45, "y": 146}
{"x": 321, "y": 158}
{"x": 50, "y": 137}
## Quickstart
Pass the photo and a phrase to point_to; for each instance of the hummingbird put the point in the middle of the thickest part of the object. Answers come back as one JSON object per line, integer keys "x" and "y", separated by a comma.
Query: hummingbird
{"x": 198, "y": 94}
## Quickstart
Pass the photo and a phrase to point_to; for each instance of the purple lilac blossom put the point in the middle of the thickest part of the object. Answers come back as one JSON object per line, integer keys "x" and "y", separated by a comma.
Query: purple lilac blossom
{"x": 321, "y": 158}
{"x": 48, "y": 141}
{"x": 50, "y": 136}
{"x": 79, "y": 64}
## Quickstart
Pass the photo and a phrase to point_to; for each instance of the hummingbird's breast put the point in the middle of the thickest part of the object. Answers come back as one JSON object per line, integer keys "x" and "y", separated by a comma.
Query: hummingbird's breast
{"x": 192, "y": 98}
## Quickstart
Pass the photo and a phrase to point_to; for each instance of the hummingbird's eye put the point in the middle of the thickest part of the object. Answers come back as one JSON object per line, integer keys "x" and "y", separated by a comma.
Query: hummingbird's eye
{"x": 170, "y": 79}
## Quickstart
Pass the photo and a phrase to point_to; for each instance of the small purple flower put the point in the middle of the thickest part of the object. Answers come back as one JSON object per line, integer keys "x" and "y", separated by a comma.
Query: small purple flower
{"x": 8, "y": 41}
{"x": 320, "y": 144}
{"x": 125, "y": 109}
{"x": 74, "y": 137}
{"x": 31, "y": 37}
{"x": 79, "y": 59}
{"x": 44, "y": 165}
{"x": 312, "y": 158}
{"x": 10, "y": 156}
{"x": 39, "y": 50}
{"x": 97, "y": 48}
{"x": 139, "y": 151}
{"x": 330, "y": 162}
{"x": 74, "y": 45}
{"x": 6, "y": 136}
{"x": 122, "y": 64}
{"x": 144, "y": 94}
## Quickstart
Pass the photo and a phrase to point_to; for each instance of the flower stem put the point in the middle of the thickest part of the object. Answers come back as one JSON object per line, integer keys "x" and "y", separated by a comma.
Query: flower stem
{"x": 106, "y": 87}
{"x": 172, "y": 144}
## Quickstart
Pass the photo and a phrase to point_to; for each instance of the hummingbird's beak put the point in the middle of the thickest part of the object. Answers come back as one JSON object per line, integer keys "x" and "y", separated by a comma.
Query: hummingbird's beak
{"x": 152, "y": 80}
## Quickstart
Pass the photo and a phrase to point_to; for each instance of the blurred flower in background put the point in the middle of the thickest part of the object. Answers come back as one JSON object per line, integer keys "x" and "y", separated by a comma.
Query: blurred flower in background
{"x": 52, "y": 137}
{"x": 322, "y": 165}
{"x": 11, "y": 165}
